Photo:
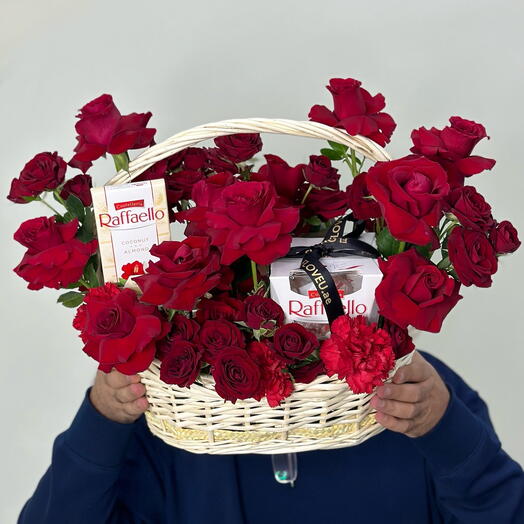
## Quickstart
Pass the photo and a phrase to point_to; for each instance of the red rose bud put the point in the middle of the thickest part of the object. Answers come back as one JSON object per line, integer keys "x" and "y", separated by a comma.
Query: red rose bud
{"x": 504, "y": 238}
{"x": 452, "y": 147}
{"x": 236, "y": 374}
{"x": 239, "y": 147}
{"x": 410, "y": 193}
{"x": 182, "y": 328}
{"x": 359, "y": 353}
{"x": 470, "y": 208}
{"x": 248, "y": 219}
{"x": 79, "y": 186}
{"x": 402, "y": 342}
{"x": 319, "y": 171}
{"x": 275, "y": 381}
{"x": 184, "y": 272}
{"x": 309, "y": 372}
{"x": 181, "y": 363}
{"x": 119, "y": 331}
{"x": 360, "y": 202}
{"x": 263, "y": 313}
{"x": 294, "y": 342}
{"x": 44, "y": 172}
{"x": 356, "y": 111}
{"x": 289, "y": 182}
{"x": 415, "y": 292}
{"x": 54, "y": 257}
{"x": 218, "y": 334}
{"x": 326, "y": 203}
{"x": 221, "y": 307}
{"x": 472, "y": 256}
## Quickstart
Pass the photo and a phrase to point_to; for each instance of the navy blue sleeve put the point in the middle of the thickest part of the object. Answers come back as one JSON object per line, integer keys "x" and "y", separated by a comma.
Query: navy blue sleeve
{"x": 80, "y": 486}
{"x": 475, "y": 480}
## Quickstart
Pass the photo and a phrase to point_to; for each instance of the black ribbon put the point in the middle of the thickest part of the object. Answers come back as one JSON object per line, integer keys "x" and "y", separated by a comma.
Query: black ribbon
{"x": 334, "y": 244}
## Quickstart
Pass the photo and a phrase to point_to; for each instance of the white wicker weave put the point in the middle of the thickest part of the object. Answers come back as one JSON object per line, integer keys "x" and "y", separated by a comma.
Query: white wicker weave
{"x": 324, "y": 414}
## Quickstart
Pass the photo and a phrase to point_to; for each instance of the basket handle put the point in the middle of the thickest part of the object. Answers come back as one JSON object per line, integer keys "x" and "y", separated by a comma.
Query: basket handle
{"x": 193, "y": 136}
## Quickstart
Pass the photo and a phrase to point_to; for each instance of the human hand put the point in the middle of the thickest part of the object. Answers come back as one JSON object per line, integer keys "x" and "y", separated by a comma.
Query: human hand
{"x": 118, "y": 397}
{"x": 414, "y": 402}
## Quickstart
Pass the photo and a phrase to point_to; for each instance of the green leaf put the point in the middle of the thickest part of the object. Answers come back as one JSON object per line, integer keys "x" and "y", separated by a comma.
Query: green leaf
{"x": 425, "y": 251}
{"x": 71, "y": 299}
{"x": 444, "y": 263}
{"x": 340, "y": 148}
{"x": 75, "y": 207}
{"x": 86, "y": 232}
{"x": 331, "y": 154}
{"x": 90, "y": 275}
{"x": 386, "y": 243}
{"x": 121, "y": 161}
{"x": 314, "y": 221}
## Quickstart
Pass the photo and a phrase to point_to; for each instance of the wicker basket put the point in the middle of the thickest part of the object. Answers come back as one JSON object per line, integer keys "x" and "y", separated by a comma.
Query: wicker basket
{"x": 324, "y": 414}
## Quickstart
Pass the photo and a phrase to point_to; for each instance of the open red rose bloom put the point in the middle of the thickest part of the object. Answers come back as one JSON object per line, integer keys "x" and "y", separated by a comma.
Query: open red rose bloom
{"x": 201, "y": 305}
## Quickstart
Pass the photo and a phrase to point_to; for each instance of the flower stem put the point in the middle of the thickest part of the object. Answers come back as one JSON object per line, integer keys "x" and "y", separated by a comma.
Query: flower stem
{"x": 254, "y": 274}
{"x": 308, "y": 190}
{"x": 40, "y": 199}
{"x": 84, "y": 283}
{"x": 401, "y": 247}
{"x": 59, "y": 198}
{"x": 354, "y": 169}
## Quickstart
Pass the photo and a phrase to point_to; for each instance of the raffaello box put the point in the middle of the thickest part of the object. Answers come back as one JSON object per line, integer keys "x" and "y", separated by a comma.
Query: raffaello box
{"x": 130, "y": 219}
{"x": 356, "y": 279}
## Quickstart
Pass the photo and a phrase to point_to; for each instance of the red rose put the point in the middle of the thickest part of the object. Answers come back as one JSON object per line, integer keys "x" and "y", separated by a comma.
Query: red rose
{"x": 119, "y": 331}
{"x": 309, "y": 372}
{"x": 361, "y": 354}
{"x": 217, "y": 163}
{"x": 451, "y": 147}
{"x": 470, "y": 208}
{"x": 319, "y": 171}
{"x": 184, "y": 272}
{"x": 247, "y": 219}
{"x": 275, "y": 381}
{"x": 263, "y": 313}
{"x": 402, "y": 342}
{"x": 240, "y": 146}
{"x": 54, "y": 258}
{"x": 236, "y": 374}
{"x": 294, "y": 342}
{"x": 289, "y": 182}
{"x": 101, "y": 128}
{"x": 356, "y": 111}
{"x": 410, "y": 192}
{"x": 504, "y": 238}
{"x": 44, "y": 172}
{"x": 181, "y": 363}
{"x": 222, "y": 306}
{"x": 80, "y": 186}
{"x": 326, "y": 203}
{"x": 182, "y": 328}
{"x": 413, "y": 291}
{"x": 472, "y": 256}
{"x": 132, "y": 269}
{"x": 218, "y": 334}
{"x": 360, "y": 201}
{"x": 194, "y": 158}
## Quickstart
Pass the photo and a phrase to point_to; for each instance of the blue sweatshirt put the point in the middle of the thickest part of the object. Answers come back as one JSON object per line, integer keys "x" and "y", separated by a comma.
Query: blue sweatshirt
{"x": 106, "y": 472}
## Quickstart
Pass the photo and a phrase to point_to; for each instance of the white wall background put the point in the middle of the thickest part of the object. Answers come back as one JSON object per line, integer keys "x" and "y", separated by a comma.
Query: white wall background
{"x": 201, "y": 61}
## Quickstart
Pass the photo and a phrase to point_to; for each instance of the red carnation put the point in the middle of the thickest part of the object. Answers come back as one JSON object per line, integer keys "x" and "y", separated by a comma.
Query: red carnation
{"x": 236, "y": 374}
{"x": 44, "y": 172}
{"x": 102, "y": 129}
{"x": 356, "y": 111}
{"x": 414, "y": 291}
{"x": 504, "y": 238}
{"x": 263, "y": 313}
{"x": 181, "y": 363}
{"x": 119, "y": 331}
{"x": 184, "y": 272}
{"x": 410, "y": 193}
{"x": 472, "y": 256}
{"x": 240, "y": 146}
{"x": 361, "y": 354}
{"x": 54, "y": 257}
{"x": 275, "y": 381}
{"x": 452, "y": 147}
{"x": 248, "y": 219}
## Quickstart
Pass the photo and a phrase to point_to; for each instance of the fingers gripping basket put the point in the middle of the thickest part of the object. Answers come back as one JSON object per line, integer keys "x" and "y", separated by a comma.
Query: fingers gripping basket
{"x": 323, "y": 414}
